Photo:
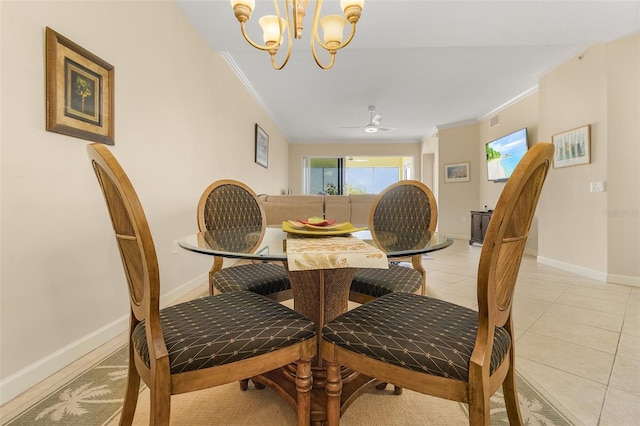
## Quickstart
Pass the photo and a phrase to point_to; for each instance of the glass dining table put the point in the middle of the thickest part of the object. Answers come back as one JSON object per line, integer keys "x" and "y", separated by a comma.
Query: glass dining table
{"x": 319, "y": 294}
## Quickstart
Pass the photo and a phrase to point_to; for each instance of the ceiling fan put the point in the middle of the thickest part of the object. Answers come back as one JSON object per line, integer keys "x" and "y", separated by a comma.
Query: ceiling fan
{"x": 374, "y": 124}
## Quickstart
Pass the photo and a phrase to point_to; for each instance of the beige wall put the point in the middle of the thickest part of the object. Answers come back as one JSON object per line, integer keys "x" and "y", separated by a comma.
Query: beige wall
{"x": 623, "y": 156}
{"x": 182, "y": 121}
{"x": 346, "y": 149}
{"x": 570, "y": 217}
{"x": 457, "y": 199}
{"x": 595, "y": 233}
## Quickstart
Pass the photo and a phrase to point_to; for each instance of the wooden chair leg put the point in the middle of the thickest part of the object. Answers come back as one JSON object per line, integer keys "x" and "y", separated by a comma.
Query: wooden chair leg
{"x": 131, "y": 392}
{"x": 160, "y": 390}
{"x": 304, "y": 380}
{"x": 333, "y": 391}
{"x": 479, "y": 409}
{"x": 244, "y": 384}
{"x": 510, "y": 393}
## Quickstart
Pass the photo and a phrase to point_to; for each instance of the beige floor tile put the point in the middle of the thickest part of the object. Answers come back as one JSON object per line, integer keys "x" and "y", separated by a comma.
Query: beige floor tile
{"x": 620, "y": 408}
{"x": 581, "y": 397}
{"x": 585, "y": 316}
{"x": 469, "y": 302}
{"x": 626, "y": 375}
{"x": 631, "y": 325}
{"x": 593, "y": 304}
{"x": 445, "y": 276}
{"x": 606, "y": 293}
{"x": 629, "y": 346}
{"x": 588, "y": 282}
{"x": 523, "y": 289}
{"x": 575, "y": 359}
{"x": 580, "y": 334}
{"x": 525, "y": 319}
{"x": 531, "y": 305}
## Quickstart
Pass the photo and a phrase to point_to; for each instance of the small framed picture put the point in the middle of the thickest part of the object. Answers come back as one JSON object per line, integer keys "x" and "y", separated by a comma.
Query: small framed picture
{"x": 262, "y": 147}
{"x": 573, "y": 147}
{"x": 80, "y": 91}
{"x": 457, "y": 172}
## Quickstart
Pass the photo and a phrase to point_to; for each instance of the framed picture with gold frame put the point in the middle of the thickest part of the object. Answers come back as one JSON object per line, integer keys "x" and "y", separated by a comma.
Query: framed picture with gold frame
{"x": 80, "y": 91}
{"x": 573, "y": 147}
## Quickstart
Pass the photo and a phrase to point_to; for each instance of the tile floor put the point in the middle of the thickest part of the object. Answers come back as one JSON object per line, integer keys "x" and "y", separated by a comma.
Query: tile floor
{"x": 579, "y": 339}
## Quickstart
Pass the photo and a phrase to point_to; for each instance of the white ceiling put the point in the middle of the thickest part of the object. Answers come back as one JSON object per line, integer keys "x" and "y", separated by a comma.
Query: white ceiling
{"x": 423, "y": 64}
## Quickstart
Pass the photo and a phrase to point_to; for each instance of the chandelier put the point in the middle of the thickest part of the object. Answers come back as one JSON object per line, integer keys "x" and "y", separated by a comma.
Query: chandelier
{"x": 274, "y": 26}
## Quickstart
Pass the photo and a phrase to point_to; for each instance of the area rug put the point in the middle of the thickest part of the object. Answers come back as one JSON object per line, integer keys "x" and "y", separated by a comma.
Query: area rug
{"x": 94, "y": 397}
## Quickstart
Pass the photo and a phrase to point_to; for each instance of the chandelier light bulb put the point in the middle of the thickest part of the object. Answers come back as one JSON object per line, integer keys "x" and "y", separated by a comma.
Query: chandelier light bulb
{"x": 332, "y": 28}
{"x": 270, "y": 28}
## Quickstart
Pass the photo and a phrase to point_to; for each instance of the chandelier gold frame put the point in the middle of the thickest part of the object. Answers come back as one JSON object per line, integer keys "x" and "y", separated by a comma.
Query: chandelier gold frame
{"x": 332, "y": 26}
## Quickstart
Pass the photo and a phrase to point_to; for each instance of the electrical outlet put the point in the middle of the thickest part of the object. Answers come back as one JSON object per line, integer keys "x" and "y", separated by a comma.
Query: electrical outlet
{"x": 175, "y": 246}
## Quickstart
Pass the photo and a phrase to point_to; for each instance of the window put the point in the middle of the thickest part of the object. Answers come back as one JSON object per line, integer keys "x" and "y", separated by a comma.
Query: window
{"x": 354, "y": 175}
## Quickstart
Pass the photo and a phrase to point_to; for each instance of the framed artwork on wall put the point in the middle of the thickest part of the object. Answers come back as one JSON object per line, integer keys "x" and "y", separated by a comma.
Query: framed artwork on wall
{"x": 573, "y": 147}
{"x": 262, "y": 147}
{"x": 80, "y": 91}
{"x": 456, "y": 172}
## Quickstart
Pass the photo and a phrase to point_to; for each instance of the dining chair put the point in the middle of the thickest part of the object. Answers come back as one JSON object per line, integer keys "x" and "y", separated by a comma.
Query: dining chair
{"x": 439, "y": 348}
{"x": 229, "y": 205}
{"x": 404, "y": 214}
{"x": 201, "y": 343}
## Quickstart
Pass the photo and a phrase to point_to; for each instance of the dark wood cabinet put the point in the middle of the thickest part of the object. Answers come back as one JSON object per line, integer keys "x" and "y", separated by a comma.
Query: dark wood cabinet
{"x": 479, "y": 224}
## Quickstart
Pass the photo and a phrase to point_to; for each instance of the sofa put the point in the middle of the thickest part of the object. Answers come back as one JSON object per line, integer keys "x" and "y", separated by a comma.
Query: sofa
{"x": 344, "y": 208}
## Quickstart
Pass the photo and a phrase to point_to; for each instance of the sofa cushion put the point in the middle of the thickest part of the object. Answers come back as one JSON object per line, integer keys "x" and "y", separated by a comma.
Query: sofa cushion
{"x": 360, "y": 208}
{"x": 337, "y": 207}
{"x": 279, "y": 208}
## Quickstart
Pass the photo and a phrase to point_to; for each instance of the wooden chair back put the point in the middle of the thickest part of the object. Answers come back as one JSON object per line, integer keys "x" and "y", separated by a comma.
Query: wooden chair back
{"x": 407, "y": 210}
{"x": 135, "y": 243}
{"x": 229, "y": 204}
{"x": 503, "y": 249}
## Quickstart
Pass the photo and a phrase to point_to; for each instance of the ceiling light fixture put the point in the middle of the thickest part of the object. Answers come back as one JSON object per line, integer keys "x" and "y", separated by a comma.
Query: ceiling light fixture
{"x": 274, "y": 26}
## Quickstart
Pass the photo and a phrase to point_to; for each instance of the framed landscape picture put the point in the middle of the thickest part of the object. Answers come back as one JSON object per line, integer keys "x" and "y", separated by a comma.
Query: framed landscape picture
{"x": 573, "y": 147}
{"x": 80, "y": 91}
{"x": 262, "y": 147}
{"x": 457, "y": 172}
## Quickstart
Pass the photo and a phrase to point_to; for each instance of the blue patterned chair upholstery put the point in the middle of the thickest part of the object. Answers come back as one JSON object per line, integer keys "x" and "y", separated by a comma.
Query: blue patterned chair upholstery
{"x": 201, "y": 343}
{"x": 403, "y": 216}
{"x": 231, "y": 205}
{"x": 439, "y": 348}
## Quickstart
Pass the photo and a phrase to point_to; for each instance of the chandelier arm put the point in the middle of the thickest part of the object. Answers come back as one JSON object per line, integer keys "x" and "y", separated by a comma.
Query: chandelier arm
{"x": 289, "y": 33}
{"x": 254, "y": 44}
{"x": 316, "y": 36}
{"x": 315, "y": 57}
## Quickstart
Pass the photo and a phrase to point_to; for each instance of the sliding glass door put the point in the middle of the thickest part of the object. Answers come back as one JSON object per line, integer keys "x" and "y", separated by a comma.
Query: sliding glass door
{"x": 354, "y": 175}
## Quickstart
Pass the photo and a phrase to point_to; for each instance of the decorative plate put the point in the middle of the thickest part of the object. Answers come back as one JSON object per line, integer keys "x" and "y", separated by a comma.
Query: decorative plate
{"x": 344, "y": 228}
{"x": 324, "y": 222}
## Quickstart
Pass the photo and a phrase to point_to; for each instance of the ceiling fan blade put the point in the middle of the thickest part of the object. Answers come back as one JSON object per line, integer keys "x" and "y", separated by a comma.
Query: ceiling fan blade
{"x": 377, "y": 119}
{"x": 384, "y": 129}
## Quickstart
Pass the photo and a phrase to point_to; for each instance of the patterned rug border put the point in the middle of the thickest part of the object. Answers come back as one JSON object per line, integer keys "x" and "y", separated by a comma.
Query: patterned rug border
{"x": 97, "y": 390}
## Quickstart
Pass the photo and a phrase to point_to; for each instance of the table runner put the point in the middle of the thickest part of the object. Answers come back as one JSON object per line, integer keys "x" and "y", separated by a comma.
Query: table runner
{"x": 305, "y": 253}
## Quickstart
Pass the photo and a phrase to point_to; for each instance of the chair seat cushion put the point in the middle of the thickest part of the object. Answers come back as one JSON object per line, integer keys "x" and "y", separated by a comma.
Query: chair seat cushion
{"x": 261, "y": 278}
{"x": 222, "y": 329}
{"x": 419, "y": 333}
{"x": 378, "y": 282}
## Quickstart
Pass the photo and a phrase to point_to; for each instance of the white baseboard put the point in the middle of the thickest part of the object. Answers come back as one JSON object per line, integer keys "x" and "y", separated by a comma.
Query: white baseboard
{"x": 589, "y": 273}
{"x": 623, "y": 279}
{"x": 20, "y": 381}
